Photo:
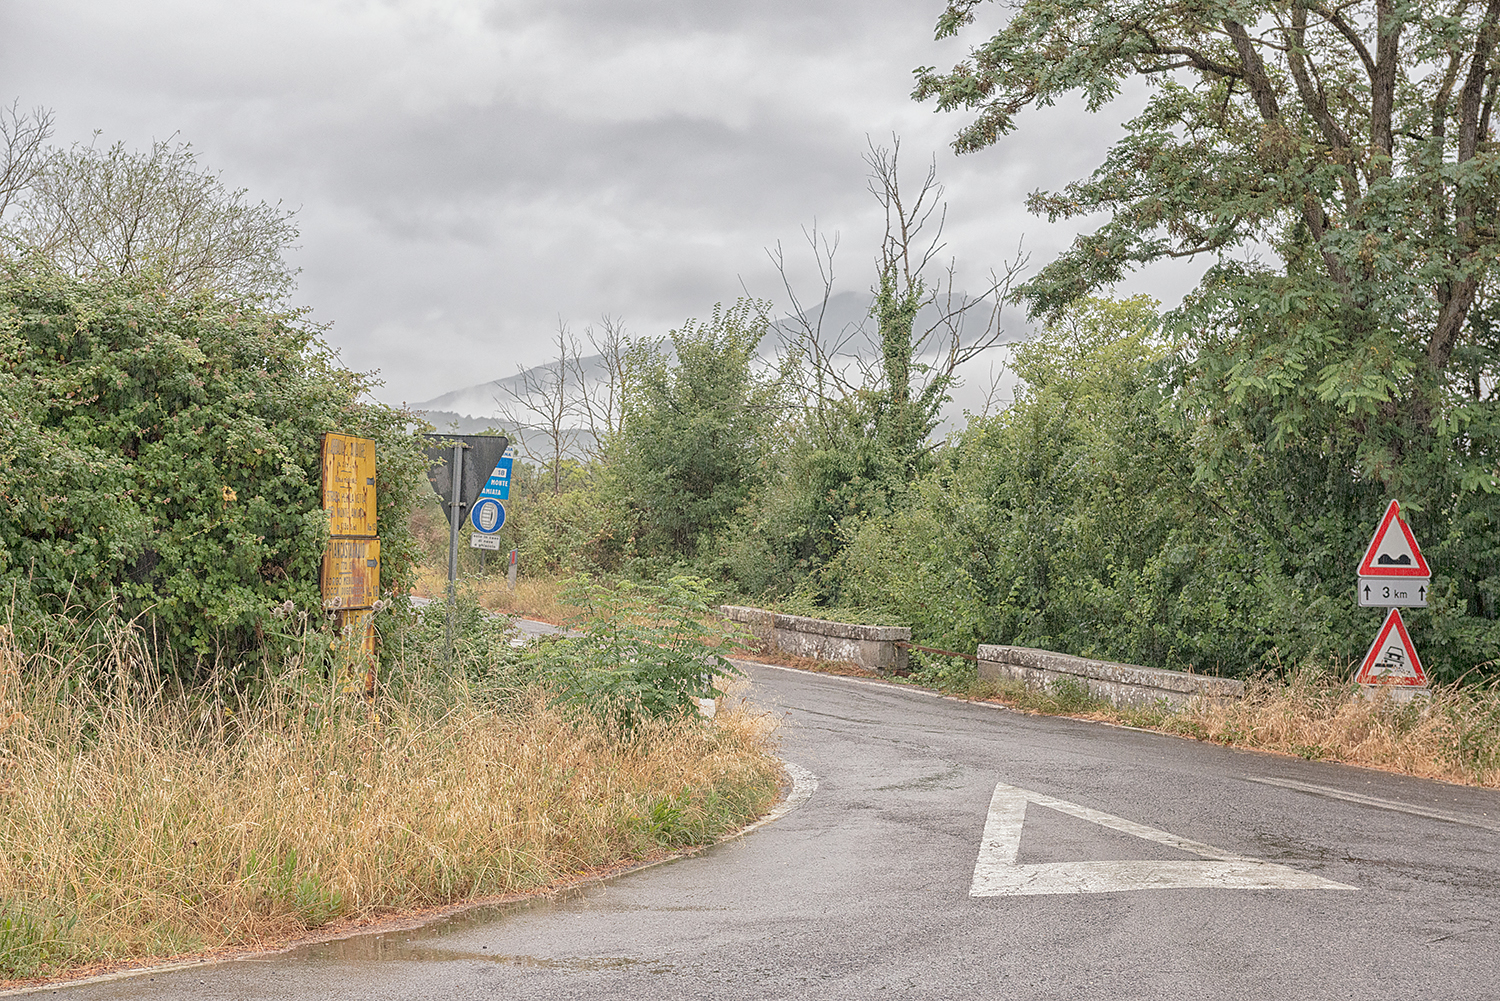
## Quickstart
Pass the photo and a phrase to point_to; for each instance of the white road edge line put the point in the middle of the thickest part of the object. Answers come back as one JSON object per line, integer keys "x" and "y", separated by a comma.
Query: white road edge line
{"x": 804, "y": 784}
{"x": 998, "y": 873}
{"x": 1383, "y": 804}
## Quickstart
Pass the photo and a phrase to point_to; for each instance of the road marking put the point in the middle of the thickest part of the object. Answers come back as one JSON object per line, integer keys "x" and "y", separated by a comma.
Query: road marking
{"x": 804, "y": 784}
{"x": 997, "y": 873}
{"x": 1383, "y": 804}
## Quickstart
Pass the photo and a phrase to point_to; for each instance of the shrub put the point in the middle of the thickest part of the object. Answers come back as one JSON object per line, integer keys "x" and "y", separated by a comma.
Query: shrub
{"x": 160, "y": 460}
{"x": 642, "y": 650}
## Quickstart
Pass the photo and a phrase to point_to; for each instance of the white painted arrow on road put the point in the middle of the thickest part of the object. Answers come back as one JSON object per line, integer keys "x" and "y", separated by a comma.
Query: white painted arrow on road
{"x": 998, "y": 873}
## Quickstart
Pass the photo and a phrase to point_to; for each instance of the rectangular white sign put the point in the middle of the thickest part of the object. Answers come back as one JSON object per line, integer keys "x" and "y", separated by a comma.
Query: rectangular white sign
{"x": 1392, "y": 592}
{"x": 478, "y": 540}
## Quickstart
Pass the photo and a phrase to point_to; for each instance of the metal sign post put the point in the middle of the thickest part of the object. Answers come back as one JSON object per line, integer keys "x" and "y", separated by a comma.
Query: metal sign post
{"x": 458, "y": 483}
{"x": 455, "y": 516}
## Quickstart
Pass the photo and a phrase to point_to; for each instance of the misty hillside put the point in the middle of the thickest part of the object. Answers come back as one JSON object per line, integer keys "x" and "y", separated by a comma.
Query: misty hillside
{"x": 846, "y": 319}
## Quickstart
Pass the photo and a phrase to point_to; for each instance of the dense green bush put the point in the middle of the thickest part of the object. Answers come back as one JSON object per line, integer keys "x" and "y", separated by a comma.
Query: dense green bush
{"x": 1119, "y": 509}
{"x": 694, "y": 431}
{"x": 637, "y": 650}
{"x": 160, "y": 460}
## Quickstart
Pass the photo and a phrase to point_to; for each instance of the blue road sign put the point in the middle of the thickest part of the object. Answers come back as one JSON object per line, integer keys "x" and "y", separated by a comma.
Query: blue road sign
{"x": 498, "y": 485}
{"x": 487, "y": 515}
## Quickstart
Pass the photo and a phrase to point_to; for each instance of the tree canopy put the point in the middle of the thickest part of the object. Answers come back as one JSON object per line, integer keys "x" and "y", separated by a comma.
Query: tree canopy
{"x": 117, "y": 211}
{"x": 1353, "y": 139}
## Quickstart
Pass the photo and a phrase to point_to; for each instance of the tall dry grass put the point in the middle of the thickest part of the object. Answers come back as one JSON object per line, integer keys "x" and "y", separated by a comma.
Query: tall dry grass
{"x": 1453, "y": 735}
{"x": 533, "y": 598}
{"x": 139, "y": 821}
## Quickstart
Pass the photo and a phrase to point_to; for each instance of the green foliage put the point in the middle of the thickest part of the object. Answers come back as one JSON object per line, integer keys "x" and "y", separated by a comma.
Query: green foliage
{"x": 694, "y": 431}
{"x": 1354, "y": 139}
{"x": 643, "y": 650}
{"x": 467, "y": 642}
{"x": 582, "y": 528}
{"x": 286, "y": 884}
{"x": 160, "y": 458}
{"x": 1376, "y": 182}
{"x": 1355, "y": 143}
{"x": 1082, "y": 520}
{"x": 34, "y": 940}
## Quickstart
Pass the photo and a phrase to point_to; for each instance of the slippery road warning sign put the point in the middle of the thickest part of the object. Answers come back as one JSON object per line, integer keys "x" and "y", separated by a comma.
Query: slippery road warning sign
{"x": 1393, "y": 551}
{"x": 1392, "y": 659}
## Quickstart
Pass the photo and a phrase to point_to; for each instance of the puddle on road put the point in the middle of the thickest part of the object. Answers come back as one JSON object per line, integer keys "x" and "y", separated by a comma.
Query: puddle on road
{"x": 411, "y": 944}
{"x": 425, "y": 943}
{"x": 418, "y": 945}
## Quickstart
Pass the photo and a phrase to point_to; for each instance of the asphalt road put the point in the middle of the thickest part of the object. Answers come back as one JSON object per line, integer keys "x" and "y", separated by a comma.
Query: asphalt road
{"x": 1107, "y": 863}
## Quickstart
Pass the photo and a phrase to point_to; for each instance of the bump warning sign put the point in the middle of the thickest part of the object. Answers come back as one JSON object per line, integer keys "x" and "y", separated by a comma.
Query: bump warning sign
{"x": 1393, "y": 552}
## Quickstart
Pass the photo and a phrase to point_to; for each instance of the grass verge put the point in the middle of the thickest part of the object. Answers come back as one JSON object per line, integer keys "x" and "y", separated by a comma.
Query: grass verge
{"x": 138, "y": 822}
{"x": 534, "y": 597}
{"x": 1453, "y": 736}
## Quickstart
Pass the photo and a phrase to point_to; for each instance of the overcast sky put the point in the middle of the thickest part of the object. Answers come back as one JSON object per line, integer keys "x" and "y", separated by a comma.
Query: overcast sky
{"x": 467, "y": 173}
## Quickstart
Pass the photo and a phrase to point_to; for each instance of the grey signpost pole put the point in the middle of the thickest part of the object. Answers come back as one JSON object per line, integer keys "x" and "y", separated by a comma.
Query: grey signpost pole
{"x": 455, "y": 517}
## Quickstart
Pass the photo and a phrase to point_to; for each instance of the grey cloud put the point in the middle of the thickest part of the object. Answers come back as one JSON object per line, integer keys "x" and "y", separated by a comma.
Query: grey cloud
{"x": 450, "y": 218}
{"x": 813, "y": 23}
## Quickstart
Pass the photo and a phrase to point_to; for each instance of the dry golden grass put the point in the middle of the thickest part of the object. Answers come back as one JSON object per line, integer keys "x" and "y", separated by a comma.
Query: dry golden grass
{"x": 534, "y": 597}
{"x": 134, "y": 823}
{"x": 1453, "y": 736}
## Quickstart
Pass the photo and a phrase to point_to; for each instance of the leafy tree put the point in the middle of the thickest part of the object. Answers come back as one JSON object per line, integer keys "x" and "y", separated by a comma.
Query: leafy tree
{"x": 115, "y": 211}
{"x": 1063, "y": 522}
{"x": 160, "y": 458}
{"x": 1354, "y": 139}
{"x": 639, "y": 650}
{"x": 694, "y": 428}
{"x": 1355, "y": 142}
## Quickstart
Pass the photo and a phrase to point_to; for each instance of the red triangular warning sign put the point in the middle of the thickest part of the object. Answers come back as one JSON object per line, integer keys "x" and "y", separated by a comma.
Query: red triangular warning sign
{"x": 1393, "y": 552}
{"x": 1392, "y": 659}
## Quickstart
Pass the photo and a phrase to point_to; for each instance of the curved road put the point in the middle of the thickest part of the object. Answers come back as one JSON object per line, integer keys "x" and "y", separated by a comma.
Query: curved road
{"x": 953, "y": 850}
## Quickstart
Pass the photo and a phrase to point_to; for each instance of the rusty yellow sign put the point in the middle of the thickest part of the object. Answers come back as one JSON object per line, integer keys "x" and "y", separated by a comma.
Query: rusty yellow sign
{"x": 356, "y": 636}
{"x": 351, "y": 563}
{"x": 349, "y": 485}
{"x": 351, "y": 573}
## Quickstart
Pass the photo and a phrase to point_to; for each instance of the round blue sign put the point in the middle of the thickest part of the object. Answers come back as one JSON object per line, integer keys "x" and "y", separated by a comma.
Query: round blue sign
{"x": 487, "y": 515}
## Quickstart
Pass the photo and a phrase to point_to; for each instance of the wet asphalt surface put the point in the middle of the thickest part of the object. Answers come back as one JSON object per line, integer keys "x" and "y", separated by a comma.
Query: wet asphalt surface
{"x": 863, "y": 890}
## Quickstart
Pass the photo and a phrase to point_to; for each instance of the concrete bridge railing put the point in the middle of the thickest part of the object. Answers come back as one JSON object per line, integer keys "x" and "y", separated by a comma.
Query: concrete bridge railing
{"x": 871, "y": 647}
{"x": 1121, "y": 684}
{"x": 884, "y": 649}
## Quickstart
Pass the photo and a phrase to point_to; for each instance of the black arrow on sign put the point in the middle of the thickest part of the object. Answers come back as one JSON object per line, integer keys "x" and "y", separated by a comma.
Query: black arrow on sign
{"x": 1422, "y": 592}
{"x": 1367, "y": 592}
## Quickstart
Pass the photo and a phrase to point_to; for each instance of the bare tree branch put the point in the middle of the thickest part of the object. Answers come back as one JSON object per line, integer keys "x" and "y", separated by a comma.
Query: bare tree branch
{"x": 23, "y": 150}
{"x": 542, "y": 411}
{"x": 117, "y": 211}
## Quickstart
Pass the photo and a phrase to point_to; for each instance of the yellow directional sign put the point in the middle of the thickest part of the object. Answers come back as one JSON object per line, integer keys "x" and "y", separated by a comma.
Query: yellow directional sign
{"x": 351, "y": 573}
{"x": 349, "y": 485}
{"x": 351, "y": 564}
